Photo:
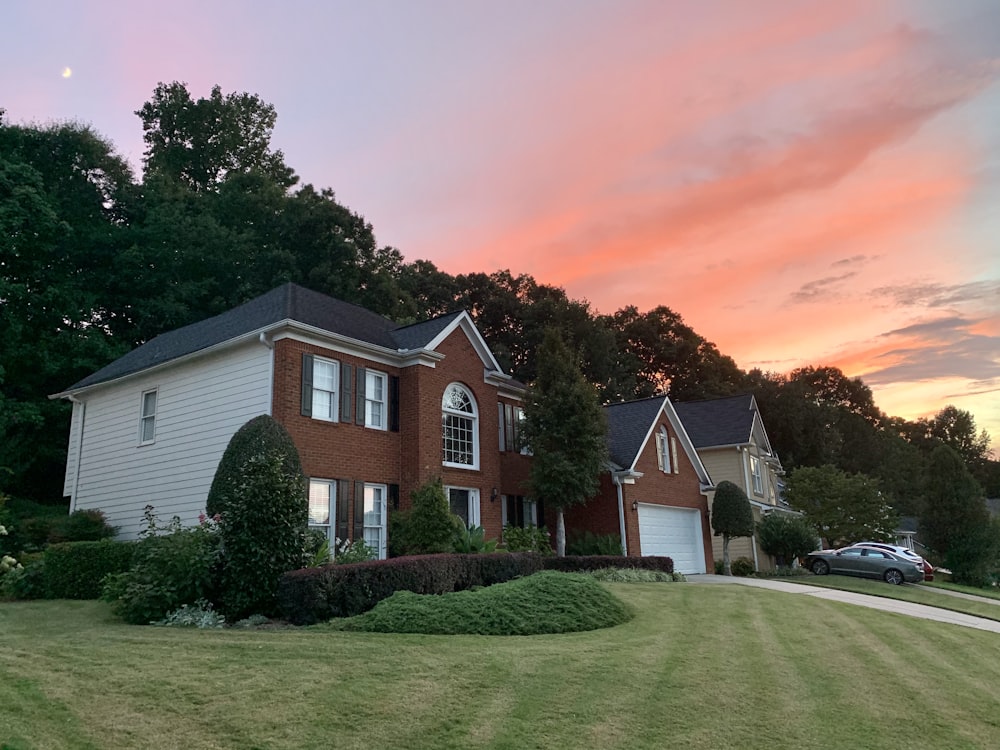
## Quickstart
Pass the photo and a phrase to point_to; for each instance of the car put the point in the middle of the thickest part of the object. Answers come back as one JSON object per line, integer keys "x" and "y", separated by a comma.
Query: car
{"x": 903, "y": 552}
{"x": 866, "y": 562}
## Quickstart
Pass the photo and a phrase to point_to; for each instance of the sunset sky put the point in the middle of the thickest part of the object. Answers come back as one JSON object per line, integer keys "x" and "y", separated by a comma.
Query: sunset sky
{"x": 805, "y": 182}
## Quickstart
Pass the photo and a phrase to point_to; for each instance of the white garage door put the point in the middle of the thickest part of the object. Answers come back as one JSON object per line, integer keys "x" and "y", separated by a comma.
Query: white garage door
{"x": 674, "y": 533}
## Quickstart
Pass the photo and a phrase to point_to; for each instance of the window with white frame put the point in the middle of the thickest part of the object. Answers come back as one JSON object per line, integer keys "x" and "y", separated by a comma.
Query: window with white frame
{"x": 520, "y": 511}
{"x": 755, "y": 477}
{"x": 375, "y": 517}
{"x": 323, "y": 508}
{"x": 464, "y": 503}
{"x": 460, "y": 428}
{"x": 375, "y": 400}
{"x": 510, "y": 423}
{"x": 663, "y": 450}
{"x": 325, "y": 377}
{"x": 147, "y": 417}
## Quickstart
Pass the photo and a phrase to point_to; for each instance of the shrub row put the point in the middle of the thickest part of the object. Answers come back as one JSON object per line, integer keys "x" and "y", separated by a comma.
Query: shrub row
{"x": 73, "y": 570}
{"x": 586, "y": 564}
{"x": 315, "y": 595}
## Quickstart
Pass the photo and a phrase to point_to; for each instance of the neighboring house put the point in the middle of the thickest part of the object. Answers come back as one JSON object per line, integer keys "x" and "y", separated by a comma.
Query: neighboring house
{"x": 375, "y": 409}
{"x": 655, "y": 494}
{"x": 732, "y": 443}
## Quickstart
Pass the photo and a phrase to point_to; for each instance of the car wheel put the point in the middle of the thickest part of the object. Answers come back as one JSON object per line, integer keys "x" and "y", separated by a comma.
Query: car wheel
{"x": 893, "y": 576}
{"x": 821, "y": 568}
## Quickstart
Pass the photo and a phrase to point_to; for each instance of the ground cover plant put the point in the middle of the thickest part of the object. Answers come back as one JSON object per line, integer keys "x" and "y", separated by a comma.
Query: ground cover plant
{"x": 546, "y": 602}
{"x": 697, "y": 667}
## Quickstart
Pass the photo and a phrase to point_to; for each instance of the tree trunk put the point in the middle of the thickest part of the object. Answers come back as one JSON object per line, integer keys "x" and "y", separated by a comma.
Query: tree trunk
{"x": 726, "y": 569}
{"x": 560, "y": 534}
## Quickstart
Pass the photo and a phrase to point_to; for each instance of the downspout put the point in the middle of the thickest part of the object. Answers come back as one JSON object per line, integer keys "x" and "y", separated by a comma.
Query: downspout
{"x": 79, "y": 451}
{"x": 270, "y": 380}
{"x": 621, "y": 511}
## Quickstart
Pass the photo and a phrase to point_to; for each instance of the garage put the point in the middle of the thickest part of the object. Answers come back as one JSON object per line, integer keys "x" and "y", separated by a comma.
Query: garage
{"x": 674, "y": 533}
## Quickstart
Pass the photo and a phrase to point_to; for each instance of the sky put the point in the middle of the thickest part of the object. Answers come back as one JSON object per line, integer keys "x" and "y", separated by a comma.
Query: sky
{"x": 806, "y": 182}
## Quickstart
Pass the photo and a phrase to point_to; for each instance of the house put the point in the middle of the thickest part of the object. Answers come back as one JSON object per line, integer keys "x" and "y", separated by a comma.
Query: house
{"x": 729, "y": 436}
{"x": 655, "y": 494}
{"x": 376, "y": 409}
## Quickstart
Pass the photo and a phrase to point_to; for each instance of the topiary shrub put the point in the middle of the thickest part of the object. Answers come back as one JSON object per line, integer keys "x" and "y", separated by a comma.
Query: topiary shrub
{"x": 428, "y": 527}
{"x": 81, "y": 526}
{"x": 259, "y": 493}
{"x": 742, "y": 567}
{"x": 74, "y": 570}
{"x": 732, "y": 516}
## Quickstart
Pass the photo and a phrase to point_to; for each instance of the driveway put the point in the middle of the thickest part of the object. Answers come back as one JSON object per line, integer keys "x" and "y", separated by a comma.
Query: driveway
{"x": 861, "y": 600}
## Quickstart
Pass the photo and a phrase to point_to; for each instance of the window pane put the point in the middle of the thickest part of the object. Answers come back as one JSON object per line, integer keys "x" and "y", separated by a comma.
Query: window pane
{"x": 323, "y": 402}
{"x": 319, "y": 503}
{"x": 324, "y": 375}
{"x": 458, "y": 500}
{"x": 148, "y": 425}
{"x": 149, "y": 404}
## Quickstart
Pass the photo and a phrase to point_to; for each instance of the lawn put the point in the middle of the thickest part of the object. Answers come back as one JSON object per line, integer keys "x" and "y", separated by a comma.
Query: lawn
{"x": 698, "y": 667}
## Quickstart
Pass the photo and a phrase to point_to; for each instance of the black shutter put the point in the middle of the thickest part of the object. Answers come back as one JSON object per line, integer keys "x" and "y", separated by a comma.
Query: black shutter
{"x": 345, "y": 392}
{"x": 540, "y": 513}
{"x": 307, "y": 385}
{"x": 394, "y": 410}
{"x": 394, "y": 496}
{"x": 359, "y": 511}
{"x": 343, "y": 504}
{"x": 359, "y": 411}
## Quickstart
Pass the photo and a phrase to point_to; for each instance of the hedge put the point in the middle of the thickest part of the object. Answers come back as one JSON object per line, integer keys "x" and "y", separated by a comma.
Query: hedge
{"x": 313, "y": 595}
{"x": 581, "y": 564}
{"x": 73, "y": 570}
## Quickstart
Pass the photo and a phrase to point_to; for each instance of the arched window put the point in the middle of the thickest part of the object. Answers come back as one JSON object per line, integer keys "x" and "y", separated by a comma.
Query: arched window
{"x": 460, "y": 428}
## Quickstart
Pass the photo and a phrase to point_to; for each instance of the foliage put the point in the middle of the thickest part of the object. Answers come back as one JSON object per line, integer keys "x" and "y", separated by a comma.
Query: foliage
{"x": 171, "y": 566}
{"x": 24, "y": 581}
{"x": 565, "y": 427}
{"x": 428, "y": 527}
{"x": 732, "y": 517}
{"x": 546, "y": 602}
{"x": 585, "y": 543}
{"x": 472, "y": 540}
{"x": 198, "y": 615}
{"x": 786, "y": 537}
{"x": 75, "y": 570}
{"x": 590, "y": 563}
{"x": 843, "y": 508}
{"x": 955, "y": 504}
{"x": 974, "y": 555}
{"x": 349, "y": 552}
{"x": 81, "y": 526}
{"x": 527, "y": 539}
{"x": 633, "y": 575}
{"x": 311, "y": 595}
{"x": 742, "y": 567}
{"x": 260, "y": 497}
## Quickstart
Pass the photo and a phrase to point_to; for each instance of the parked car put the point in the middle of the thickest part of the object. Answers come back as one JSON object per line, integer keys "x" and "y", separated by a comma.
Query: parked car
{"x": 866, "y": 562}
{"x": 903, "y": 552}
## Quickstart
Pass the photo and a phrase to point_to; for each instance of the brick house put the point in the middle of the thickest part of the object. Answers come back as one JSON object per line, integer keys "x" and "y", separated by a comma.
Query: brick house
{"x": 655, "y": 494}
{"x": 376, "y": 409}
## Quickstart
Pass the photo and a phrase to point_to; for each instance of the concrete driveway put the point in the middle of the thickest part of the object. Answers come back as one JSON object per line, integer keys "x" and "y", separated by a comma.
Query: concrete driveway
{"x": 861, "y": 600}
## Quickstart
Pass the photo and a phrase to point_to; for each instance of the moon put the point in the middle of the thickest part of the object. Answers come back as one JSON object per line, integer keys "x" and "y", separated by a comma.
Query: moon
{"x": 67, "y": 72}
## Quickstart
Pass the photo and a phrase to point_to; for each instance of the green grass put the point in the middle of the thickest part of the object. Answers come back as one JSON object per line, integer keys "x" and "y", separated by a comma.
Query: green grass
{"x": 992, "y": 593}
{"x": 916, "y": 593}
{"x": 697, "y": 667}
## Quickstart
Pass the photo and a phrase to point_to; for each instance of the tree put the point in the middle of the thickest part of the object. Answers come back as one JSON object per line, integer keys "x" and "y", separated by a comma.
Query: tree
{"x": 786, "y": 536}
{"x": 429, "y": 525}
{"x": 565, "y": 428}
{"x": 954, "y": 501}
{"x": 843, "y": 508}
{"x": 732, "y": 517}
{"x": 259, "y": 491}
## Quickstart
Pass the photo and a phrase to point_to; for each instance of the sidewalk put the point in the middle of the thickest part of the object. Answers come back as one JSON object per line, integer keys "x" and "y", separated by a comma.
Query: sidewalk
{"x": 862, "y": 600}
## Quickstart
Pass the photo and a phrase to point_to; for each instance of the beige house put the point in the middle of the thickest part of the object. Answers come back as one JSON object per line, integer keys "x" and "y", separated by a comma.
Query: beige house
{"x": 731, "y": 441}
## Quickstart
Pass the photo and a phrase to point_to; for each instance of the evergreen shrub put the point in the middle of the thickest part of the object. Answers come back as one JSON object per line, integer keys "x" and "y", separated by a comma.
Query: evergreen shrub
{"x": 590, "y": 563}
{"x": 74, "y": 570}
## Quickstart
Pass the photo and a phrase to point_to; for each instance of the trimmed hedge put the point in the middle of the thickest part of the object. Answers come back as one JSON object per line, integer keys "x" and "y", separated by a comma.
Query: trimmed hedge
{"x": 580, "y": 564}
{"x": 312, "y": 595}
{"x": 73, "y": 570}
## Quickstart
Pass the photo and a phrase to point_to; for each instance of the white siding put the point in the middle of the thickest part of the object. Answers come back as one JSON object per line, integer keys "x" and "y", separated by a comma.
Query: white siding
{"x": 200, "y": 405}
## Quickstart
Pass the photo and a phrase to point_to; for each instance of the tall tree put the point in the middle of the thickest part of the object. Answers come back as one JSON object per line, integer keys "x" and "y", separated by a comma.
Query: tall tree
{"x": 732, "y": 517}
{"x": 954, "y": 501}
{"x": 565, "y": 428}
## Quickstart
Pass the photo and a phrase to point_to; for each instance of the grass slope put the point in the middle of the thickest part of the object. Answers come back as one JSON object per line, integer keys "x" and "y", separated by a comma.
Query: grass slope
{"x": 697, "y": 667}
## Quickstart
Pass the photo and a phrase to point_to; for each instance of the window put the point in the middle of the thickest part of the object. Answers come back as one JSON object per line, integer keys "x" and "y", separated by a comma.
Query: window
{"x": 325, "y": 376}
{"x": 663, "y": 450}
{"x": 510, "y": 420}
{"x": 464, "y": 503}
{"x": 375, "y": 400}
{"x": 758, "y": 484}
{"x": 374, "y": 518}
{"x": 147, "y": 417}
{"x": 460, "y": 433}
{"x": 323, "y": 508}
{"x": 521, "y": 512}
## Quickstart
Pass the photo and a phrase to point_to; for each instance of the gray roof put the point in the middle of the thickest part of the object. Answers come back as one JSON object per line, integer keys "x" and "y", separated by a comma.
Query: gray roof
{"x": 287, "y": 302}
{"x": 628, "y": 425}
{"x": 718, "y": 421}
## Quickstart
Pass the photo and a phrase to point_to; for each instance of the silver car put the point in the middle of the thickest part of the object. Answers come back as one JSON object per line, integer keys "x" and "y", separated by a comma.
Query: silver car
{"x": 866, "y": 562}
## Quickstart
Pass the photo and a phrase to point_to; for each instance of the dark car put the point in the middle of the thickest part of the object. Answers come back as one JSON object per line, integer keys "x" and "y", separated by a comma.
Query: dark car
{"x": 866, "y": 562}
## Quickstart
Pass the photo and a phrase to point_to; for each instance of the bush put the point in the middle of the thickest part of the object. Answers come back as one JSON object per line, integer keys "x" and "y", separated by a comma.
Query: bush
{"x": 171, "y": 566}
{"x": 546, "y": 602}
{"x": 471, "y": 539}
{"x": 528, "y": 539}
{"x": 349, "y": 552}
{"x": 81, "y": 526}
{"x": 787, "y": 537}
{"x": 198, "y": 615}
{"x": 25, "y": 582}
{"x": 587, "y": 543}
{"x": 260, "y": 493}
{"x": 590, "y": 563}
{"x": 313, "y": 595}
{"x": 74, "y": 570}
{"x": 742, "y": 566}
{"x": 428, "y": 527}
{"x": 973, "y": 555}
{"x": 633, "y": 575}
